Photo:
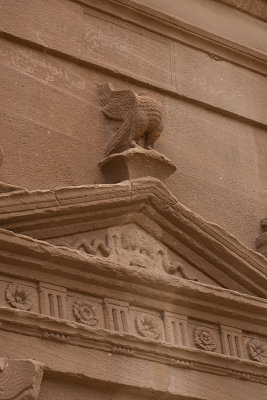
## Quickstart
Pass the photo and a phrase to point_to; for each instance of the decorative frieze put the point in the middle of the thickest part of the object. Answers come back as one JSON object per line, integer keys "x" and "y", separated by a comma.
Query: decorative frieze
{"x": 120, "y": 316}
{"x": 85, "y": 313}
{"x": 53, "y": 300}
{"x": 204, "y": 339}
{"x": 116, "y": 315}
{"x": 123, "y": 350}
{"x": 257, "y": 350}
{"x": 176, "y": 328}
{"x": 58, "y": 337}
{"x": 232, "y": 341}
{"x": 18, "y": 297}
{"x": 147, "y": 326}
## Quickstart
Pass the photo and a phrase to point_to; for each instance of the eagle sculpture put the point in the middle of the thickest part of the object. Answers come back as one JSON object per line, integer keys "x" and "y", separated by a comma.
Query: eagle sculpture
{"x": 141, "y": 116}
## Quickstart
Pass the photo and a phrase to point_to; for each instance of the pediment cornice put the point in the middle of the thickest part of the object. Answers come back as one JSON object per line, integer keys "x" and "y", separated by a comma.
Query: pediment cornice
{"x": 96, "y": 292}
{"x": 148, "y": 203}
{"x": 22, "y": 256}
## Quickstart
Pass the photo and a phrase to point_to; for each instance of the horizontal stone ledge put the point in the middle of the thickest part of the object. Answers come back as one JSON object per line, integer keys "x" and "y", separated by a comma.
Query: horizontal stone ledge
{"x": 74, "y": 336}
{"x": 232, "y": 29}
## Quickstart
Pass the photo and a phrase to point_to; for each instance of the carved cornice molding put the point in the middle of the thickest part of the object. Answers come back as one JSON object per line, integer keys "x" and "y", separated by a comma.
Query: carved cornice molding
{"x": 188, "y": 31}
{"x": 48, "y": 328}
{"x": 147, "y": 201}
{"x": 63, "y": 296}
{"x": 29, "y": 258}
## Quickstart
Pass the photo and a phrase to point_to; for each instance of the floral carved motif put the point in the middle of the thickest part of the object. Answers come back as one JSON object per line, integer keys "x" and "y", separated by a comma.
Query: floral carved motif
{"x": 257, "y": 350}
{"x": 147, "y": 326}
{"x": 18, "y": 297}
{"x": 204, "y": 339}
{"x": 84, "y": 313}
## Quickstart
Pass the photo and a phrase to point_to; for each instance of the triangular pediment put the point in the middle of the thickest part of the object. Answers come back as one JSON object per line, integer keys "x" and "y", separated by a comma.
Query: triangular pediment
{"x": 133, "y": 246}
{"x": 137, "y": 224}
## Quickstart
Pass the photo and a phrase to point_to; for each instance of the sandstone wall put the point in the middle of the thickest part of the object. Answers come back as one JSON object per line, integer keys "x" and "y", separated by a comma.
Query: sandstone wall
{"x": 207, "y": 67}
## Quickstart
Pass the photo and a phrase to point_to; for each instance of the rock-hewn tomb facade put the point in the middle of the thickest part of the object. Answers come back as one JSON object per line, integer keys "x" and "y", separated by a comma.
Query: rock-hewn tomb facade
{"x": 127, "y": 125}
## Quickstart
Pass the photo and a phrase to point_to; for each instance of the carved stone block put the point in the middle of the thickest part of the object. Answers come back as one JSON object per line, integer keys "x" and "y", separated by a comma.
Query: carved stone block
{"x": 20, "y": 379}
{"x": 129, "y": 153}
{"x": 176, "y": 328}
{"x": 116, "y": 315}
{"x": 136, "y": 163}
{"x": 232, "y": 341}
{"x": 53, "y": 300}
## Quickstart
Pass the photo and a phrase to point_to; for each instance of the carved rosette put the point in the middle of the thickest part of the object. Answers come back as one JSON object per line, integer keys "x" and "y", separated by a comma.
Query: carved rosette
{"x": 18, "y": 297}
{"x": 147, "y": 326}
{"x": 204, "y": 339}
{"x": 84, "y": 313}
{"x": 257, "y": 351}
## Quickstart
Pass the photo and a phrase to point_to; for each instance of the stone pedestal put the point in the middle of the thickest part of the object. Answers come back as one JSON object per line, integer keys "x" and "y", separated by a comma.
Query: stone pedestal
{"x": 136, "y": 163}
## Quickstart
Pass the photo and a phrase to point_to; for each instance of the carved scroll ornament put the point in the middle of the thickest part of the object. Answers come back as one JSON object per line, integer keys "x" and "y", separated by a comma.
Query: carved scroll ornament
{"x": 131, "y": 247}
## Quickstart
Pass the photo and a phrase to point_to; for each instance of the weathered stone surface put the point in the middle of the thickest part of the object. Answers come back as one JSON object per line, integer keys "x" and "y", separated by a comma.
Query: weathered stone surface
{"x": 257, "y": 8}
{"x": 136, "y": 163}
{"x": 148, "y": 204}
{"x": 118, "y": 291}
{"x": 234, "y": 27}
{"x": 20, "y": 379}
{"x": 261, "y": 241}
{"x": 210, "y": 133}
{"x": 127, "y": 370}
{"x": 141, "y": 118}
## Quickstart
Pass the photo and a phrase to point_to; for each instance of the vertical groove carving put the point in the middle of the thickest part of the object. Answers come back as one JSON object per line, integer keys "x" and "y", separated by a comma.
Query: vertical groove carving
{"x": 116, "y": 315}
{"x": 53, "y": 300}
{"x": 232, "y": 341}
{"x": 176, "y": 327}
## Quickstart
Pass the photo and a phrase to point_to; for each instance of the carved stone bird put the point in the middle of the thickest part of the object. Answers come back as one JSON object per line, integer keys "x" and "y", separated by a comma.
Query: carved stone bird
{"x": 141, "y": 116}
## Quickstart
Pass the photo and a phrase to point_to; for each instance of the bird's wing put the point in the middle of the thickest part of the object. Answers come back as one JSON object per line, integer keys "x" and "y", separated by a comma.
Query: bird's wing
{"x": 121, "y": 139}
{"x": 117, "y": 104}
